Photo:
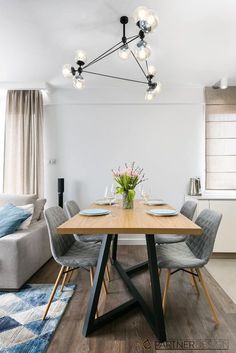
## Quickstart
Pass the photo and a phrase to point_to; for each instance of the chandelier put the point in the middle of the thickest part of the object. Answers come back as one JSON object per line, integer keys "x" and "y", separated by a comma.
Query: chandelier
{"x": 147, "y": 21}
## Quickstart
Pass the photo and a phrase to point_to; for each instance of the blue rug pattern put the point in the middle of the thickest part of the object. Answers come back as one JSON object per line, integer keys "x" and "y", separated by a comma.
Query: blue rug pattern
{"x": 22, "y": 329}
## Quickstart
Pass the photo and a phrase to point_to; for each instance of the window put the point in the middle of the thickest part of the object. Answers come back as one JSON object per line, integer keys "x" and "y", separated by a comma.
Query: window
{"x": 221, "y": 144}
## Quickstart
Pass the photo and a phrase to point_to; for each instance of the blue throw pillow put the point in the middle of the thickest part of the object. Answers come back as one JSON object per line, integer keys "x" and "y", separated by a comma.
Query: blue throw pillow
{"x": 11, "y": 218}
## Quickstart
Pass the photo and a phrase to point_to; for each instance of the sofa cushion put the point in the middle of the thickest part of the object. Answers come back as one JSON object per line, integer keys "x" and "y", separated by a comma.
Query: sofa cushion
{"x": 10, "y": 219}
{"x": 29, "y": 208}
{"x": 38, "y": 209}
{"x": 17, "y": 200}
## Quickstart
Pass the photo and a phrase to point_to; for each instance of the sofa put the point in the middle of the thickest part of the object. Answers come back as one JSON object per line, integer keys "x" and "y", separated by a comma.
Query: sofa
{"x": 25, "y": 251}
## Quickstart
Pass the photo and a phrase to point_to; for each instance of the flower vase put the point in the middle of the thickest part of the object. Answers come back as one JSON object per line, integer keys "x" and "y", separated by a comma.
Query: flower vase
{"x": 128, "y": 203}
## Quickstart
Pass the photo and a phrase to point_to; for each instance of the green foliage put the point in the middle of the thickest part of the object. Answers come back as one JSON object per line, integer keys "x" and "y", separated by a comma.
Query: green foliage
{"x": 126, "y": 183}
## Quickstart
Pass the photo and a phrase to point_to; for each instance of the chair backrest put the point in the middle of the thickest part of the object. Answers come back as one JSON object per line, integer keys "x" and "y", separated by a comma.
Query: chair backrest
{"x": 59, "y": 244}
{"x": 202, "y": 246}
{"x": 188, "y": 209}
{"x": 71, "y": 208}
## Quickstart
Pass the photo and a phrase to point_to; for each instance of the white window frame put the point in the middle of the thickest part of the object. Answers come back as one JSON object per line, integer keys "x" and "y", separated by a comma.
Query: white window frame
{"x": 227, "y": 193}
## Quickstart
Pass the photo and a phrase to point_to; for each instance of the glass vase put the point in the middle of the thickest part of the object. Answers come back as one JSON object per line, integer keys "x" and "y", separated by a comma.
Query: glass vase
{"x": 128, "y": 202}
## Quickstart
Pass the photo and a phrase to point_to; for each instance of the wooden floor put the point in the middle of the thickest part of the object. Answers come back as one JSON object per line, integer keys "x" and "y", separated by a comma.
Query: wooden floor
{"x": 187, "y": 315}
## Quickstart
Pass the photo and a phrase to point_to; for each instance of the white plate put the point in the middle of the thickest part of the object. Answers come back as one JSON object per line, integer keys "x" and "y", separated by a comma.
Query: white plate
{"x": 154, "y": 203}
{"x": 94, "y": 212}
{"x": 162, "y": 212}
{"x": 105, "y": 202}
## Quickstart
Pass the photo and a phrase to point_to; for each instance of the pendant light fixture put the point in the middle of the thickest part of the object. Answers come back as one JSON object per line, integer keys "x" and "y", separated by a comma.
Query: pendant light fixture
{"x": 146, "y": 21}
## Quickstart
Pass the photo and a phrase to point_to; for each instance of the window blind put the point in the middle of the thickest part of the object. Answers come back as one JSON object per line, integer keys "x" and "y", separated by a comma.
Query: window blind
{"x": 221, "y": 147}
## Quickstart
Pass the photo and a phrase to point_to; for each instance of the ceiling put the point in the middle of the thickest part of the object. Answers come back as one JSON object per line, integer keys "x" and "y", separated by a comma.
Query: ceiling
{"x": 194, "y": 44}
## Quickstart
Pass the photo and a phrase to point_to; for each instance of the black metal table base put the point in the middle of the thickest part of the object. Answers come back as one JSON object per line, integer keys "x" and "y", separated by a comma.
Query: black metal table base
{"x": 153, "y": 315}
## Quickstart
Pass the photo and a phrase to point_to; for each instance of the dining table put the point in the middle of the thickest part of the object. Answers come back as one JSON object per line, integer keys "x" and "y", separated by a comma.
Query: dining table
{"x": 128, "y": 221}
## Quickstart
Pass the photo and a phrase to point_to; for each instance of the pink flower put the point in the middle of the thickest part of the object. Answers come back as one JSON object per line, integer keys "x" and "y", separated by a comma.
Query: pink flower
{"x": 134, "y": 174}
{"x": 129, "y": 171}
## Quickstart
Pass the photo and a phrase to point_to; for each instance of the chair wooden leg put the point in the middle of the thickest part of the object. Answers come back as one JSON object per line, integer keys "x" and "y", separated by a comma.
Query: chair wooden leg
{"x": 53, "y": 291}
{"x": 166, "y": 289}
{"x": 191, "y": 279}
{"x": 108, "y": 273}
{"x": 64, "y": 278}
{"x": 70, "y": 275}
{"x": 202, "y": 281}
{"x": 104, "y": 286}
{"x": 110, "y": 261}
{"x": 91, "y": 273}
{"x": 194, "y": 282}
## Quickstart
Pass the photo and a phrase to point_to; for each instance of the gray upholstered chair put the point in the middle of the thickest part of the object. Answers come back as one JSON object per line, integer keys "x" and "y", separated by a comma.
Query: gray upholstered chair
{"x": 192, "y": 254}
{"x": 68, "y": 252}
{"x": 188, "y": 209}
{"x": 72, "y": 209}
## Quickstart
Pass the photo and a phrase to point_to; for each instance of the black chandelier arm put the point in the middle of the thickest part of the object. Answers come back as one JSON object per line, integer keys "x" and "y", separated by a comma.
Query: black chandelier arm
{"x": 139, "y": 64}
{"x": 115, "y": 77}
{"x": 132, "y": 37}
{"x": 109, "y": 52}
{"x": 124, "y": 39}
{"x": 100, "y": 56}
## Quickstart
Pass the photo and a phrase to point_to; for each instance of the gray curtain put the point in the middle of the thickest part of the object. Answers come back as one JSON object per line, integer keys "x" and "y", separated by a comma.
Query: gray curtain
{"x": 23, "y": 153}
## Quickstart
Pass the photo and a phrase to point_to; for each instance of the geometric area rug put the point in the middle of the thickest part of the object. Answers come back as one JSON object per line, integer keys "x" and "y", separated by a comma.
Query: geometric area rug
{"x": 22, "y": 329}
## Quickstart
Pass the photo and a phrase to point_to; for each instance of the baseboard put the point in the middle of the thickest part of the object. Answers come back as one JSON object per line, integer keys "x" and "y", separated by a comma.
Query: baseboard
{"x": 141, "y": 241}
{"x": 132, "y": 241}
{"x": 223, "y": 255}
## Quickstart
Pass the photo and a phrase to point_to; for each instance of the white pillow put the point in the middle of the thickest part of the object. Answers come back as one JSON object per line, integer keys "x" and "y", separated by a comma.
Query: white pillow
{"x": 17, "y": 200}
{"x": 29, "y": 208}
{"x": 38, "y": 209}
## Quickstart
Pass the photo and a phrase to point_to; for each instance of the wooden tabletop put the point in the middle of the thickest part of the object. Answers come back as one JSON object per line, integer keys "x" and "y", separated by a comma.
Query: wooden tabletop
{"x": 135, "y": 221}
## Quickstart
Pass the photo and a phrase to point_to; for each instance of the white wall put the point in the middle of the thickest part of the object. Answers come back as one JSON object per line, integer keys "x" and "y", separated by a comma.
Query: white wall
{"x": 166, "y": 139}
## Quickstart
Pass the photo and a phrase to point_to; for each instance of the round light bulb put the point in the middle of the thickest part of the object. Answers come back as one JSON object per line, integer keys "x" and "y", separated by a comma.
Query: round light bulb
{"x": 78, "y": 82}
{"x": 143, "y": 52}
{"x": 149, "y": 95}
{"x": 124, "y": 52}
{"x": 152, "y": 20}
{"x": 152, "y": 92}
{"x": 66, "y": 70}
{"x": 80, "y": 55}
{"x": 157, "y": 89}
{"x": 140, "y": 13}
{"x": 152, "y": 70}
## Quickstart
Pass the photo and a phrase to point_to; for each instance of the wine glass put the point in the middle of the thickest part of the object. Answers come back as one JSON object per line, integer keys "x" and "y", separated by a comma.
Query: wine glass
{"x": 113, "y": 191}
{"x": 109, "y": 194}
{"x": 140, "y": 191}
{"x": 146, "y": 193}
